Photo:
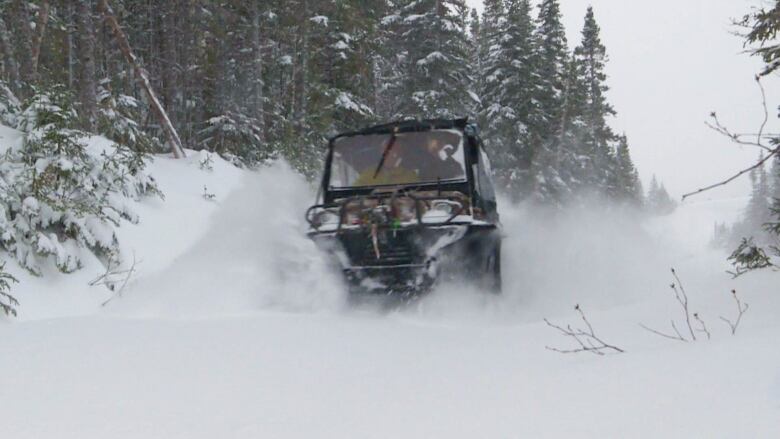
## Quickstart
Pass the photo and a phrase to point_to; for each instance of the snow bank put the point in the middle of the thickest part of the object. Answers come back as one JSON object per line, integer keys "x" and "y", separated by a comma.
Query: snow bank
{"x": 236, "y": 327}
{"x": 167, "y": 229}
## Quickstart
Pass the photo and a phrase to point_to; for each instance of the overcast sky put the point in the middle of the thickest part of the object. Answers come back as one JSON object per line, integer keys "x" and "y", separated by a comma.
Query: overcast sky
{"x": 672, "y": 62}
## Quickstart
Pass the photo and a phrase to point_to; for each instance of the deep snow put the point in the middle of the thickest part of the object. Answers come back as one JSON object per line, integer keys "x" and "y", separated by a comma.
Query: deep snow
{"x": 235, "y": 327}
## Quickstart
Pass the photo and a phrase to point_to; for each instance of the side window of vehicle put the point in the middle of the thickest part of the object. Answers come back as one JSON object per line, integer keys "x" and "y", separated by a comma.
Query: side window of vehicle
{"x": 485, "y": 179}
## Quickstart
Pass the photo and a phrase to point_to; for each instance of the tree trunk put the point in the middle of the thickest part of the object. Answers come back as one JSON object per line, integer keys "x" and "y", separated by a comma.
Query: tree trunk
{"x": 22, "y": 16}
{"x": 169, "y": 63}
{"x": 40, "y": 31}
{"x": 257, "y": 64}
{"x": 85, "y": 46}
{"x": 143, "y": 80}
{"x": 71, "y": 45}
{"x": 9, "y": 60}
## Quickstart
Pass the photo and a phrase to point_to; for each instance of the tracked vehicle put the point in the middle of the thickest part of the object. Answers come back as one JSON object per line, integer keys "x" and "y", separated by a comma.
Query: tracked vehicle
{"x": 405, "y": 205}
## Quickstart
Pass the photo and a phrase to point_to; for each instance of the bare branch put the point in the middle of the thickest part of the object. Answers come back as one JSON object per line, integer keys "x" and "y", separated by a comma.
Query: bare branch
{"x": 588, "y": 340}
{"x": 115, "y": 280}
{"x": 682, "y": 298}
{"x": 741, "y": 308}
{"x": 735, "y": 176}
{"x": 673, "y": 337}
{"x": 738, "y": 138}
{"x": 703, "y": 326}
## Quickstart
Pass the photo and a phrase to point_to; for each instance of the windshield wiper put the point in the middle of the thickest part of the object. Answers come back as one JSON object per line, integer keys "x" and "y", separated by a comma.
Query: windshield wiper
{"x": 385, "y": 153}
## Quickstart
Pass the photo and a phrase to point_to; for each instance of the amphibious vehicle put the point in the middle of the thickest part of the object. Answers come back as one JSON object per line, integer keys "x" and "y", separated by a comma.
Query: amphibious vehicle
{"x": 405, "y": 205}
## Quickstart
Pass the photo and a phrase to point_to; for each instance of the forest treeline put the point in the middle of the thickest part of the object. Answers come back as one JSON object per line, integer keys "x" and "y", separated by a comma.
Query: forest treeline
{"x": 255, "y": 80}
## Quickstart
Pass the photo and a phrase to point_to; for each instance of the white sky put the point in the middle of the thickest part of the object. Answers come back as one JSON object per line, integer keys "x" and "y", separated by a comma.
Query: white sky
{"x": 672, "y": 62}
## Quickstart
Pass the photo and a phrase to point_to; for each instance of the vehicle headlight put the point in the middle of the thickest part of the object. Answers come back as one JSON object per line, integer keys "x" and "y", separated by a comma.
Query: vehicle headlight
{"x": 445, "y": 207}
{"x": 327, "y": 216}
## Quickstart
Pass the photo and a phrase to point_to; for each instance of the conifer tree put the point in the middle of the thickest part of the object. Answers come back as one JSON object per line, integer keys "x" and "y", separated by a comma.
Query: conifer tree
{"x": 493, "y": 72}
{"x": 552, "y": 63}
{"x": 775, "y": 178}
{"x": 437, "y": 78}
{"x": 558, "y": 167}
{"x": 526, "y": 121}
{"x": 757, "y": 213}
{"x": 626, "y": 183}
{"x": 658, "y": 200}
{"x": 597, "y": 136}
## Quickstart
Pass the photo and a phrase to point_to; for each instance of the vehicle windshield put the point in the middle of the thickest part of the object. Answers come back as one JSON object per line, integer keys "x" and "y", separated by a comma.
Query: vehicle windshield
{"x": 396, "y": 159}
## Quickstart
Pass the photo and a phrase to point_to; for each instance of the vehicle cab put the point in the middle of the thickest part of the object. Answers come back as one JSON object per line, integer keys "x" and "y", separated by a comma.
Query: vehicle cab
{"x": 405, "y": 204}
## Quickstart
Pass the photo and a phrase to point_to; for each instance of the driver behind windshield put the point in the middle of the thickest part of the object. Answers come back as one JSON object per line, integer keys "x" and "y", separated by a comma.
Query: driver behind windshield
{"x": 397, "y": 167}
{"x": 439, "y": 164}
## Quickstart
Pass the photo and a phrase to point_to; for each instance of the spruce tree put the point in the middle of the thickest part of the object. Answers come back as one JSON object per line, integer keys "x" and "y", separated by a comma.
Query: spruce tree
{"x": 552, "y": 64}
{"x": 757, "y": 213}
{"x": 658, "y": 201}
{"x": 437, "y": 80}
{"x": 626, "y": 183}
{"x": 526, "y": 121}
{"x": 558, "y": 167}
{"x": 597, "y": 139}
{"x": 494, "y": 109}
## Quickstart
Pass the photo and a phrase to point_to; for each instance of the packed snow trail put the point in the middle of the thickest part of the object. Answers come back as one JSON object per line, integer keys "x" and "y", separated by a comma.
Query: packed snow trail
{"x": 238, "y": 328}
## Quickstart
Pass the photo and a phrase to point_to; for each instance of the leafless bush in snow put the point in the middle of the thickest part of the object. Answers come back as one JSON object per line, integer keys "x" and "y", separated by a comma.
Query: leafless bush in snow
{"x": 682, "y": 298}
{"x": 115, "y": 279}
{"x": 703, "y": 326}
{"x": 587, "y": 340}
{"x": 207, "y": 195}
{"x": 741, "y": 308}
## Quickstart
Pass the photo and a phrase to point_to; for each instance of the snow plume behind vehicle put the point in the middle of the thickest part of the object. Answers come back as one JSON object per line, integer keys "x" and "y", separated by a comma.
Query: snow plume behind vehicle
{"x": 253, "y": 256}
{"x": 552, "y": 259}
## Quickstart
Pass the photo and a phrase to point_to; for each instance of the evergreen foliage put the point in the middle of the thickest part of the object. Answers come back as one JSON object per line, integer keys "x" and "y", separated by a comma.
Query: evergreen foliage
{"x": 8, "y": 303}
{"x": 625, "y": 181}
{"x": 762, "y": 216}
{"x": 658, "y": 201}
{"x": 59, "y": 195}
{"x": 553, "y": 64}
{"x": 597, "y": 137}
{"x": 437, "y": 81}
{"x": 256, "y": 80}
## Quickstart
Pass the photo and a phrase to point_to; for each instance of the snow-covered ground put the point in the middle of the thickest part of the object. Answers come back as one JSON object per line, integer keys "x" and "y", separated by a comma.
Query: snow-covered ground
{"x": 234, "y": 327}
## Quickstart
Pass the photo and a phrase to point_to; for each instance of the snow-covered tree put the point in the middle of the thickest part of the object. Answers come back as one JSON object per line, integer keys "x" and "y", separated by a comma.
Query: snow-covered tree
{"x": 8, "y": 303}
{"x": 494, "y": 110}
{"x": 658, "y": 201}
{"x": 553, "y": 61}
{"x": 437, "y": 79}
{"x": 597, "y": 137}
{"x": 60, "y": 196}
{"x": 758, "y": 210}
{"x": 625, "y": 183}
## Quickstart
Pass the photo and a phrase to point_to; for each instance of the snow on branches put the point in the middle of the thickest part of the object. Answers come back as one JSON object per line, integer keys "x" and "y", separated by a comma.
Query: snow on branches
{"x": 60, "y": 193}
{"x": 8, "y": 303}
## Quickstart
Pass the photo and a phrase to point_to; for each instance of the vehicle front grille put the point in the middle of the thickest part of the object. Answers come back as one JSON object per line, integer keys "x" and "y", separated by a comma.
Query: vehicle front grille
{"x": 395, "y": 248}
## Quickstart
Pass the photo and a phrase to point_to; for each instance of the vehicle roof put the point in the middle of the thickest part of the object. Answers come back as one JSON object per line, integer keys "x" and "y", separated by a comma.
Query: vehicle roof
{"x": 409, "y": 125}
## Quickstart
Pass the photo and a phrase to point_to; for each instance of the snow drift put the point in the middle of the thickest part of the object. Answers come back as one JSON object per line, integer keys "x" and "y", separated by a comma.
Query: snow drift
{"x": 234, "y": 326}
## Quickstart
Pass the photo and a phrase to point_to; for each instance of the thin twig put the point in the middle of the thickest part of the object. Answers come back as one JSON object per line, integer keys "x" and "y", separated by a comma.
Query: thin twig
{"x": 110, "y": 281}
{"x": 737, "y": 138}
{"x": 677, "y": 337}
{"x": 588, "y": 340}
{"x": 703, "y": 326}
{"x": 741, "y": 308}
{"x": 683, "y": 302}
{"x": 735, "y": 176}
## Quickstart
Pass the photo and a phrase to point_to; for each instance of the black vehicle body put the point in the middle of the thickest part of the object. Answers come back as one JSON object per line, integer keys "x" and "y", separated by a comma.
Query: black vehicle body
{"x": 402, "y": 237}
